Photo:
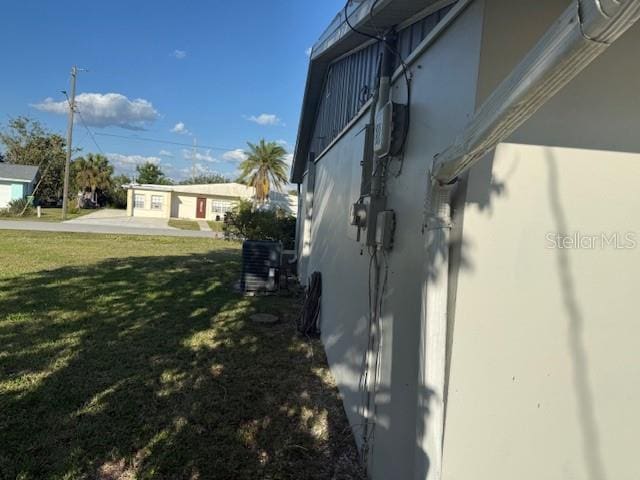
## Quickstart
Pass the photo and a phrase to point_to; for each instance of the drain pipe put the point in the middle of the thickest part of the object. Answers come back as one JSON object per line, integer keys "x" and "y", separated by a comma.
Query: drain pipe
{"x": 433, "y": 333}
{"x": 583, "y": 32}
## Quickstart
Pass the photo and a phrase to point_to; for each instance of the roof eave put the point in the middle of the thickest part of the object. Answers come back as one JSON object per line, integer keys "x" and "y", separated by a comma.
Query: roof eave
{"x": 369, "y": 16}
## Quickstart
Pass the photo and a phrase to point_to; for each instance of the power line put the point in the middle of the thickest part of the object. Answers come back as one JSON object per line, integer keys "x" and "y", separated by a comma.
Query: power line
{"x": 84, "y": 124}
{"x": 89, "y": 131}
{"x": 155, "y": 140}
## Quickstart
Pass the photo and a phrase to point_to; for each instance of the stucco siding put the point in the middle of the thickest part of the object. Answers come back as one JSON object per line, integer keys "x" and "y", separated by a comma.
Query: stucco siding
{"x": 545, "y": 354}
{"x": 185, "y": 205}
{"x": 147, "y": 210}
{"x": 12, "y": 190}
{"x": 443, "y": 84}
{"x": 18, "y": 190}
{"x": 5, "y": 193}
{"x": 545, "y": 332}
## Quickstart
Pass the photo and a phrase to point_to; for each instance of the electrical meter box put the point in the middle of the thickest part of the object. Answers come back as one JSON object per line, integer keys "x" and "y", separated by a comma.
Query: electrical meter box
{"x": 389, "y": 130}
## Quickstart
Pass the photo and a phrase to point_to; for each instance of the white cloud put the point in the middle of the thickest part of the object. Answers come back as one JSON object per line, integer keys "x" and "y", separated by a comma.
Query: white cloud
{"x": 265, "y": 119}
{"x": 127, "y": 163}
{"x": 181, "y": 129}
{"x": 197, "y": 169}
{"x": 179, "y": 54}
{"x": 165, "y": 153}
{"x": 308, "y": 51}
{"x": 237, "y": 155}
{"x": 126, "y": 160}
{"x": 199, "y": 156}
{"x": 106, "y": 109}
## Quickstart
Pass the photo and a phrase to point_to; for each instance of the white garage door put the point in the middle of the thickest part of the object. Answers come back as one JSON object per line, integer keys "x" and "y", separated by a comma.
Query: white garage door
{"x": 5, "y": 195}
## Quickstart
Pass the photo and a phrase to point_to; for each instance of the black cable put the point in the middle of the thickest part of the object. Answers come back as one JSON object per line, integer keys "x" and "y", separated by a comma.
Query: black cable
{"x": 405, "y": 68}
{"x": 84, "y": 124}
{"x": 346, "y": 18}
{"x": 155, "y": 140}
{"x": 89, "y": 132}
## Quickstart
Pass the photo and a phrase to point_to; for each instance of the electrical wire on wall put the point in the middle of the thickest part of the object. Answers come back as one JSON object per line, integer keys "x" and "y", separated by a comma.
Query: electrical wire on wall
{"x": 405, "y": 70}
{"x": 367, "y": 387}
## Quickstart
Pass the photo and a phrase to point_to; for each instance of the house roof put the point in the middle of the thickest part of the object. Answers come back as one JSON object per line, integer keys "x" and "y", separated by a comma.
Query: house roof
{"x": 368, "y": 16}
{"x": 221, "y": 189}
{"x": 18, "y": 173}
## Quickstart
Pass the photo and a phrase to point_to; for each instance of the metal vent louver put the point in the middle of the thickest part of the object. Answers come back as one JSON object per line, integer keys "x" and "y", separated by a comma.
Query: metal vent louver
{"x": 261, "y": 262}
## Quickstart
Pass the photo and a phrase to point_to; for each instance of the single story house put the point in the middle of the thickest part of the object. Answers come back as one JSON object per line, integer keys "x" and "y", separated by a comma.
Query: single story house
{"x": 16, "y": 181}
{"x": 469, "y": 192}
{"x": 207, "y": 201}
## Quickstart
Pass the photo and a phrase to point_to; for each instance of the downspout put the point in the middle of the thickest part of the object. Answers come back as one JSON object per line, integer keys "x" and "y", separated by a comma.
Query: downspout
{"x": 583, "y": 32}
{"x": 433, "y": 333}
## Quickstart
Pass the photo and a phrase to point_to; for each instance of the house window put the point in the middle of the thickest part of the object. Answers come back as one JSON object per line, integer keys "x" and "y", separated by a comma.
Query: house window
{"x": 138, "y": 201}
{"x": 156, "y": 202}
{"x": 221, "y": 206}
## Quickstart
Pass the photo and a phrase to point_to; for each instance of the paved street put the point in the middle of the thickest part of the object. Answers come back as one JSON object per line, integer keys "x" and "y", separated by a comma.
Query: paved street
{"x": 108, "y": 221}
{"x": 93, "y": 228}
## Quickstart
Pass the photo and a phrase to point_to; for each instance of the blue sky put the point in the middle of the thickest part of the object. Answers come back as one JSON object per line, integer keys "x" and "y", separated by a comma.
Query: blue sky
{"x": 223, "y": 72}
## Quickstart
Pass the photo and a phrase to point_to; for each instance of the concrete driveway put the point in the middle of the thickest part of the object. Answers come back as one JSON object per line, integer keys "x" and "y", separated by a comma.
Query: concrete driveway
{"x": 109, "y": 221}
{"x": 118, "y": 218}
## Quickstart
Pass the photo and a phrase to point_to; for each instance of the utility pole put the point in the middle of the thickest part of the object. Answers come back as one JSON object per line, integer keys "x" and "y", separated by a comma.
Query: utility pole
{"x": 193, "y": 161}
{"x": 67, "y": 163}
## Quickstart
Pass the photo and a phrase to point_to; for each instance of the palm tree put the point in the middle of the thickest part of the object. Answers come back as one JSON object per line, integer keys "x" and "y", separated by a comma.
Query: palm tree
{"x": 93, "y": 173}
{"x": 263, "y": 168}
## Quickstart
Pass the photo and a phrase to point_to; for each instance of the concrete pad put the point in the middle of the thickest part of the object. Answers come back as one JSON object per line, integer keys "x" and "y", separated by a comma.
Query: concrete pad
{"x": 118, "y": 218}
{"x": 204, "y": 226}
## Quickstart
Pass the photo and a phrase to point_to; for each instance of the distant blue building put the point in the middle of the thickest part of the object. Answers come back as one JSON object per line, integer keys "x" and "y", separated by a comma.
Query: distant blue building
{"x": 16, "y": 181}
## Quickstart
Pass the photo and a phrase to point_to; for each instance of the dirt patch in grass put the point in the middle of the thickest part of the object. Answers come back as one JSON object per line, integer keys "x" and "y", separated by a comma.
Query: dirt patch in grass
{"x": 132, "y": 357}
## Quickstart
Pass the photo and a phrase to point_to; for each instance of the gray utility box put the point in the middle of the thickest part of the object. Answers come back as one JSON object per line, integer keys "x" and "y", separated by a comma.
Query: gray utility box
{"x": 261, "y": 262}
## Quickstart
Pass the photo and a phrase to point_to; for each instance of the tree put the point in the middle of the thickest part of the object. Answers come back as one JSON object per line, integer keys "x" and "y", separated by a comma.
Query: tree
{"x": 264, "y": 167}
{"x": 116, "y": 196}
{"x": 205, "y": 178}
{"x": 93, "y": 173}
{"x": 247, "y": 222}
{"x": 151, "y": 173}
{"x": 26, "y": 142}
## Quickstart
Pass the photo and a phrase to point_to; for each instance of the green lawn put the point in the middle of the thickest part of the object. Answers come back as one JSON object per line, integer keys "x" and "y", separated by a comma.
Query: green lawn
{"x": 50, "y": 215}
{"x": 125, "y": 357}
{"x": 184, "y": 224}
{"x": 215, "y": 226}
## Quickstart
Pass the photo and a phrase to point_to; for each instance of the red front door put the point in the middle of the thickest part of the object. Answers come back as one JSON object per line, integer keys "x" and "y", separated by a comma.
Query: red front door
{"x": 201, "y": 208}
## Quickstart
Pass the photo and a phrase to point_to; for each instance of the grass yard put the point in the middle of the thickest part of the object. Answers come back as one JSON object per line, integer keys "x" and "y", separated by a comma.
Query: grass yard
{"x": 50, "y": 215}
{"x": 215, "y": 226}
{"x": 184, "y": 224}
{"x": 125, "y": 357}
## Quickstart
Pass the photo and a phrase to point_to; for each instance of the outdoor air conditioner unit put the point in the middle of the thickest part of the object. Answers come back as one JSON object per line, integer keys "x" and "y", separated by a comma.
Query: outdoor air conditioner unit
{"x": 261, "y": 262}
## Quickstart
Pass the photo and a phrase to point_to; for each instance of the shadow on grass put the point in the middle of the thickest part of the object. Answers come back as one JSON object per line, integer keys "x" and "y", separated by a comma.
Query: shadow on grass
{"x": 148, "y": 367}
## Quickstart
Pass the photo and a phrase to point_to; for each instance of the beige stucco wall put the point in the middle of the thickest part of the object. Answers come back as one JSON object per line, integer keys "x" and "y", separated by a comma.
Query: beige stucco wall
{"x": 147, "y": 211}
{"x": 544, "y": 361}
{"x": 130, "y": 202}
{"x": 184, "y": 205}
{"x": 443, "y": 98}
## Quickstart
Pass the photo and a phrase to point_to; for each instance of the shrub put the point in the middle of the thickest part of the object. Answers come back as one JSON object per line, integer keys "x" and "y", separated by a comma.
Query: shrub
{"x": 250, "y": 223}
{"x": 16, "y": 207}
